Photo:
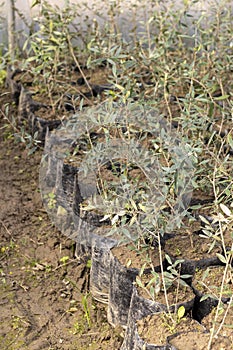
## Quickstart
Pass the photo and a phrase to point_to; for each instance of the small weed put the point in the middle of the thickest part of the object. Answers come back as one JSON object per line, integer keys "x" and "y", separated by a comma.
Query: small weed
{"x": 2, "y": 77}
{"x": 86, "y": 308}
{"x": 64, "y": 259}
{"x": 79, "y": 327}
{"x": 16, "y": 322}
{"x": 171, "y": 323}
{"x": 51, "y": 200}
{"x": 11, "y": 247}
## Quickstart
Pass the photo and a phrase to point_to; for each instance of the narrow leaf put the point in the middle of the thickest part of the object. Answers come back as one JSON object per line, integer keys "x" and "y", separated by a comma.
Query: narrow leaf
{"x": 220, "y": 98}
{"x": 221, "y": 258}
{"x": 203, "y": 219}
{"x": 230, "y": 140}
{"x": 139, "y": 282}
{"x": 225, "y": 209}
{"x": 133, "y": 204}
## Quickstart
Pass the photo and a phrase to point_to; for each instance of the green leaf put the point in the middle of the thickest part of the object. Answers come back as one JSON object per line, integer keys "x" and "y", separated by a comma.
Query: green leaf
{"x": 142, "y": 270}
{"x": 31, "y": 59}
{"x": 121, "y": 88}
{"x": 225, "y": 209}
{"x": 204, "y": 220}
{"x": 206, "y": 296}
{"x": 132, "y": 220}
{"x": 126, "y": 232}
{"x": 36, "y": 2}
{"x": 220, "y": 98}
{"x": 106, "y": 216}
{"x": 181, "y": 312}
{"x": 211, "y": 109}
{"x": 185, "y": 276}
{"x": 64, "y": 259}
{"x": 88, "y": 264}
{"x": 114, "y": 219}
{"x": 168, "y": 259}
{"x": 152, "y": 291}
{"x": 230, "y": 140}
{"x": 139, "y": 282}
{"x": 89, "y": 62}
{"x": 133, "y": 204}
{"x": 142, "y": 207}
{"x": 195, "y": 207}
{"x": 114, "y": 71}
{"x": 221, "y": 258}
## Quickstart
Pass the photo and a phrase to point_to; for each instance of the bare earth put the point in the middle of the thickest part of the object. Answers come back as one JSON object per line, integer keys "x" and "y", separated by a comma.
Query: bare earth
{"x": 44, "y": 298}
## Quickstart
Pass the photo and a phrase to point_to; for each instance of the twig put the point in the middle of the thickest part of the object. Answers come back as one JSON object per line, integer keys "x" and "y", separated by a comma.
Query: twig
{"x": 65, "y": 264}
{"x": 9, "y": 121}
{"x": 9, "y": 233}
{"x": 77, "y": 63}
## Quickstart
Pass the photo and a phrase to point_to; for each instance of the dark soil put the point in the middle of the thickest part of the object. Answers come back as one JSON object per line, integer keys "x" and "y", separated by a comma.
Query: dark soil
{"x": 43, "y": 286}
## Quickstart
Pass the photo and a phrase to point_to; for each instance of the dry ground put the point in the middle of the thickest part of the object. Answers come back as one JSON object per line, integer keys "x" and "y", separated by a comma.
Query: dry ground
{"x": 44, "y": 298}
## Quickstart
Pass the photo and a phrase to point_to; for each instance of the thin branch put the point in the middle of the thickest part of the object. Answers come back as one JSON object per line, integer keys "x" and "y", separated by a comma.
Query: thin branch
{"x": 77, "y": 63}
{"x": 11, "y": 28}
